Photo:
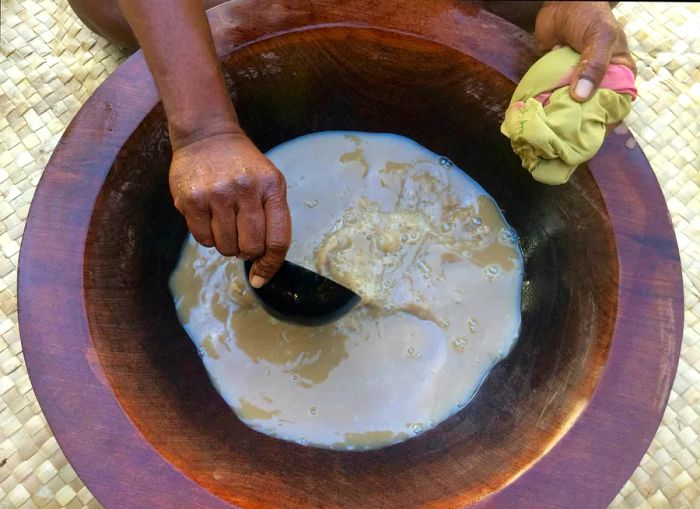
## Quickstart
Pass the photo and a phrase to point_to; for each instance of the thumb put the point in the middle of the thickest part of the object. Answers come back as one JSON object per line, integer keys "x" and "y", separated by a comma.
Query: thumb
{"x": 278, "y": 236}
{"x": 594, "y": 62}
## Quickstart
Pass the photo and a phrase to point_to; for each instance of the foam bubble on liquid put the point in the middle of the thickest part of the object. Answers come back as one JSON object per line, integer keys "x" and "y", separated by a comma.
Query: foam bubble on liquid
{"x": 445, "y": 162}
{"x": 493, "y": 271}
{"x": 508, "y": 236}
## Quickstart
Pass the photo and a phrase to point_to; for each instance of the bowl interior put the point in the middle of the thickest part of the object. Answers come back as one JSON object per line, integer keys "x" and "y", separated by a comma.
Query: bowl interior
{"x": 366, "y": 80}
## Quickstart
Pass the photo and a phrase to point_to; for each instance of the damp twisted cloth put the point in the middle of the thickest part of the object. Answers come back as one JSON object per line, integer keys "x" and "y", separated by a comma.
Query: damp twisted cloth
{"x": 550, "y": 132}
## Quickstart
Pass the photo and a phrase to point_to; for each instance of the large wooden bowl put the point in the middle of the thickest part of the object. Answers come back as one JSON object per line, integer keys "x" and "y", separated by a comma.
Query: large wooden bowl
{"x": 561, "y": 422}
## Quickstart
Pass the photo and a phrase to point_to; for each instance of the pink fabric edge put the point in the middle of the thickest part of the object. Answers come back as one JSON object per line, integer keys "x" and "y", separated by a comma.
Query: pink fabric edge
{"x": 617, "y": 77}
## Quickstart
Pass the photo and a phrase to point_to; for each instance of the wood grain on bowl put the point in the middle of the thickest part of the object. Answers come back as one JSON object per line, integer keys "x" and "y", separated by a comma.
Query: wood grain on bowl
{"x": 562, "y": 422}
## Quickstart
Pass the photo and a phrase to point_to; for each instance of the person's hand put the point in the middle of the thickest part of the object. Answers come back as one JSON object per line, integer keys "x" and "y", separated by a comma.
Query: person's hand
{"x": 590, "y": 29}
{"x": 233, "y": 198}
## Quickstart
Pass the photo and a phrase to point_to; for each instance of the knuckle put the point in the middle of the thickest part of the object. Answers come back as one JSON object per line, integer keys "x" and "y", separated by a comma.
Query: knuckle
{"x": 595, "y": 69}
{"x": 265, "y": 267}
{"x": 205, "y": 240}
{"x": 228, "y": 250}
{"x": 278, "y": 178}
{"x": 195, "y": 198}
{"x": 606, "y": 28}
{"x": 179, "y": 204}
{"x": 244, "y": 182}
{"x": 253, "y": 219}
{"x": 604, "y": 35}
{"x": 222, "y": 192}
{"x": 278, "y": 246}
{"x": 274, "y": 185}
{"x": 253, "y": 249}
{"x": 277, "y": 184}
{"x": 200, "y": 231}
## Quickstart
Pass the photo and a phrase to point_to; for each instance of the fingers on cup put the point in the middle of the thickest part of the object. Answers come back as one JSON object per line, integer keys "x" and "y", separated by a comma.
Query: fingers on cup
{"x": 251, "y": 230}
{"x": 225, "y": 230}
{"x": 223, "y": 222}
{"x": 277, "y": 240}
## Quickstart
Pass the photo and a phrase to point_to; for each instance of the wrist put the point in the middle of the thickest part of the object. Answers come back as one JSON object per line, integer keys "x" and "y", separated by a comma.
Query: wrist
{"x": 201, "y": 110}
{"x": 186, "y": 132}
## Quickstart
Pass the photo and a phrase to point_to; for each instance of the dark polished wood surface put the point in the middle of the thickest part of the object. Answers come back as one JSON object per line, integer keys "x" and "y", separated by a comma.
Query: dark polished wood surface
{"x": 561, "y": 422}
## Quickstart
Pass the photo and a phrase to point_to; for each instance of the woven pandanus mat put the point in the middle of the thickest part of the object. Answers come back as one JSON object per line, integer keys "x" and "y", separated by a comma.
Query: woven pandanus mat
{"x": 51, "y": 63}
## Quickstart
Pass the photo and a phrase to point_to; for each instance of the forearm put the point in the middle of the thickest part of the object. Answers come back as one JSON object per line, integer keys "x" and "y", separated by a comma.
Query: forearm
{"x": 176, "y": 40}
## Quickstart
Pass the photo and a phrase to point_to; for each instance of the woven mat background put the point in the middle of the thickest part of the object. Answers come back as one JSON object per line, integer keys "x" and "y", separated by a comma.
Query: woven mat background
{"x": 49, "y": 65}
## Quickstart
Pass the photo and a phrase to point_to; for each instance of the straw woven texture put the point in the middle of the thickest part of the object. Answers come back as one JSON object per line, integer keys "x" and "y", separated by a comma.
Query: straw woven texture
{"x": 51, "y": 63}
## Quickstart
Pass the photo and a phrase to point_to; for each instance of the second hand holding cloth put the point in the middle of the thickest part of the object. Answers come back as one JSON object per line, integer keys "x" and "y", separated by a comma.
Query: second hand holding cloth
{"x": 550, "y": 132}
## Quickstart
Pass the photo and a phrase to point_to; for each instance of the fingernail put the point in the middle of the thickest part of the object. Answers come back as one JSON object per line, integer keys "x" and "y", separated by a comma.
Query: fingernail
{"x": 583, "y": 88}
{"x": 257, "y": 281}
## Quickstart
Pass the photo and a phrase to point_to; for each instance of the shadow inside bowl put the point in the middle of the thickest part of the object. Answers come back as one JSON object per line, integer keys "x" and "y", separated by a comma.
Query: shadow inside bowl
{"x": 365, "y": 80}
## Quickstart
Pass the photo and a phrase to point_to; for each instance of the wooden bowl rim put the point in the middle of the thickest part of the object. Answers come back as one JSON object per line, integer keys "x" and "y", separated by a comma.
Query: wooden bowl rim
{"x": 588, "y": 465}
